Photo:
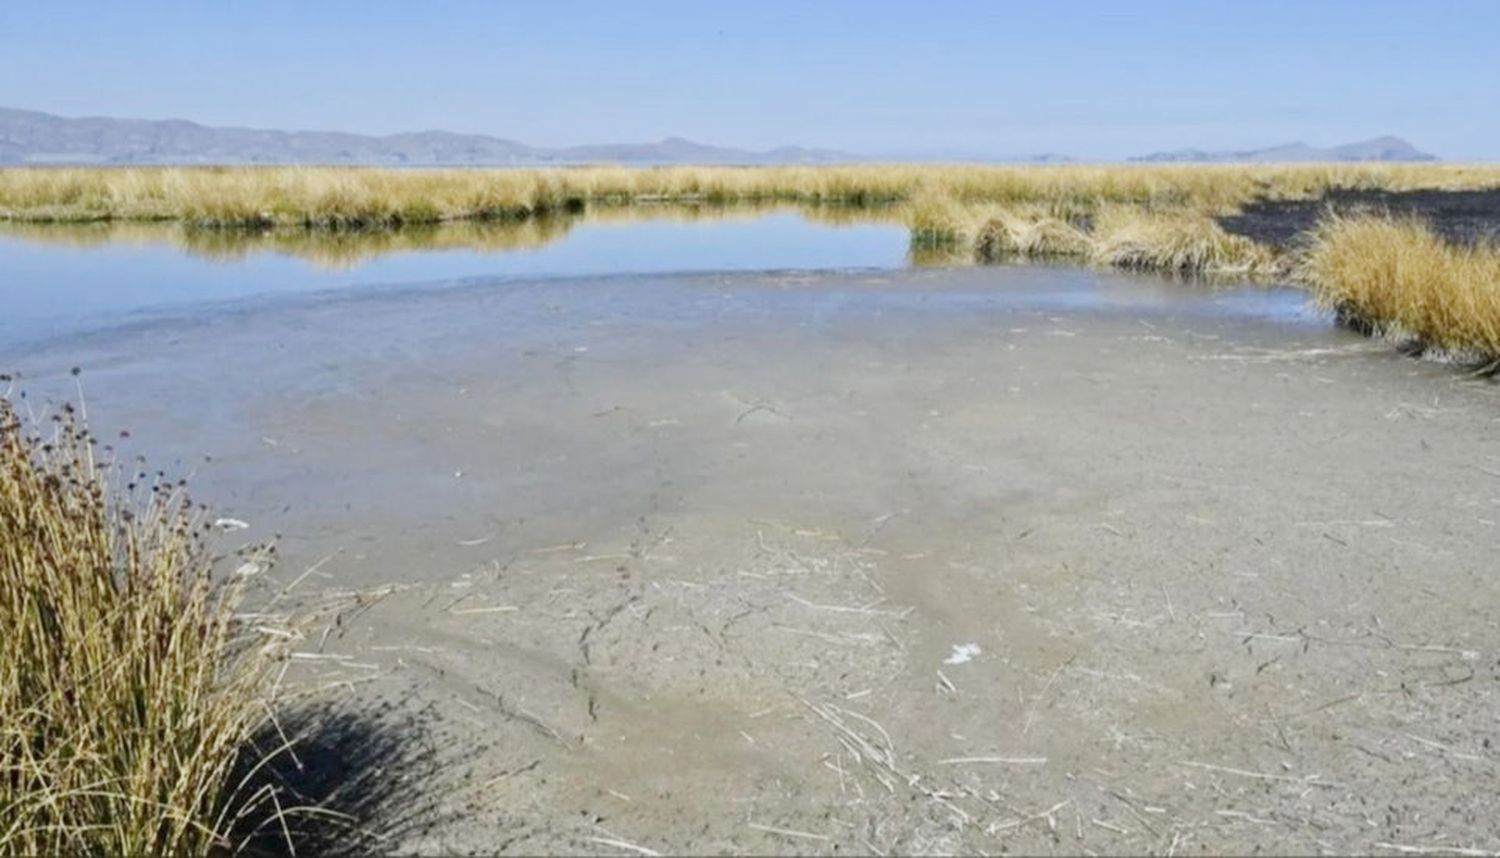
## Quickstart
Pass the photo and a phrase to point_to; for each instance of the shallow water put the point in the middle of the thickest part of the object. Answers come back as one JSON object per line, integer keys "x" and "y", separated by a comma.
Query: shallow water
{"x": 221, "y": 364}
{"x": 68, "y": 279}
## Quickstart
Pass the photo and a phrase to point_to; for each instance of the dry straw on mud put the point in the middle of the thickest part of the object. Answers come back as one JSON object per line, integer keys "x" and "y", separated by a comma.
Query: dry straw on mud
{"x": 130, "y": 677}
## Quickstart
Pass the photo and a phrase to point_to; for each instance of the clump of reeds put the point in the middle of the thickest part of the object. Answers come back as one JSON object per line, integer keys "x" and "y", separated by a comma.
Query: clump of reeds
{"x": 1395, "y": 276}
{"x": 1177, "y": 241}
{"x": 1122, "y": 236}
{"x": 1009, "y": 232}
{"x": 130, "y": 679}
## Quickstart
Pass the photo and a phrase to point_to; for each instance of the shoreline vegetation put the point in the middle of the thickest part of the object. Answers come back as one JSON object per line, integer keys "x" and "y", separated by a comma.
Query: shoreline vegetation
{"x": 1380, "y": 273}
{"x": 135, "y": 681}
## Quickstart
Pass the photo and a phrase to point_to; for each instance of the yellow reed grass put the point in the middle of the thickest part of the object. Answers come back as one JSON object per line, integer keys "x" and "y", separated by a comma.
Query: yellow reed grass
{"x": 129, "y": 680}
{"x": 1010, "y": 231}
{"x": 1395, "y": 276}
{"x": 1122, "y": 236}
{"x": 341, "y": 196}
{"x": 1179, "y": 241}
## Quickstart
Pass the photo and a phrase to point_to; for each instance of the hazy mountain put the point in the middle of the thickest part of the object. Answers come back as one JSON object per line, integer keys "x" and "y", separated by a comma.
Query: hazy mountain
{"x": 1376, "y": 149}
{"x": 32, "y": 137}
{"x": 678, "y": 150}
{"x": 969, "y": 155}
{"x": 1048, "y": 158}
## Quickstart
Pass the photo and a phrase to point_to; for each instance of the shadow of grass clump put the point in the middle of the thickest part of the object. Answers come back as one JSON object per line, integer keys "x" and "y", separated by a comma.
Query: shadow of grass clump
{"x": 342, "y": 780}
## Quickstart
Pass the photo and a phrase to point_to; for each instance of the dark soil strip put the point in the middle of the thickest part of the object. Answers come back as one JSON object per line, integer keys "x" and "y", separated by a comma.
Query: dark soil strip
{"x": 1464, "y": 217}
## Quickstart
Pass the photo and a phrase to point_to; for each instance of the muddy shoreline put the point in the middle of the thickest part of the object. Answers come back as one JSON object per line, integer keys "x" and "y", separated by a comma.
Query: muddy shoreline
{"x": 1002, "y": 559}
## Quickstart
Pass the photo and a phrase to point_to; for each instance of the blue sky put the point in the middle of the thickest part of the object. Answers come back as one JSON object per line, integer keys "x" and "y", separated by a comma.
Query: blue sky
{"x": 1091, "y": 79}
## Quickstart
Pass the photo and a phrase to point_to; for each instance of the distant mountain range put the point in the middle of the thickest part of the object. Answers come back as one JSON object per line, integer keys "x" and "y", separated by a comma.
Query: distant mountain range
{"x": 961, "y": 155}
{"x": 33, "y": 137}
{"x": 1375, "y": 149}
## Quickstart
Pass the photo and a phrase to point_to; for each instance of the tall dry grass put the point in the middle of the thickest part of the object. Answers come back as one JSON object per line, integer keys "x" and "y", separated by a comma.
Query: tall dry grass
{"x": 1397, "y": 277}
{"x": 1179, "y": 241}
{"x": 1121, "y": 236}
{"x": 1030, "y": 232}
{"x": 341, "y": 196}
{"x": 131, "y": 677}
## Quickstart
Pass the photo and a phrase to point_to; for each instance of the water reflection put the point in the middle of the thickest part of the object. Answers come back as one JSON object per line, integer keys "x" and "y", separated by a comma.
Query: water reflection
{"x": 352, "y": 248}
{"x": 60, "y": 279}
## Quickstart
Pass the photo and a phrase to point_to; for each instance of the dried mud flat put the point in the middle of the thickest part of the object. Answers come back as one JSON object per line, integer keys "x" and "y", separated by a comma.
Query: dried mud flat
{"x": 992, "y": 560}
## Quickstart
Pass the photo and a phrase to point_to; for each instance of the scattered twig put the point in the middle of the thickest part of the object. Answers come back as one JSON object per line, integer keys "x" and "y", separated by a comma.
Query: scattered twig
{"x": 1435, "y": 850}
{"x": 621, "y": 844}
{"x": 788, "y": 832}
{"x": 1310, "y": 780}
{"x": 1012, "y": 761}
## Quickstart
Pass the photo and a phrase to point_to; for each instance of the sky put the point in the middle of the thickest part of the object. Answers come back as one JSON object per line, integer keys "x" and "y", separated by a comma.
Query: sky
{"x": 969, "y": 79}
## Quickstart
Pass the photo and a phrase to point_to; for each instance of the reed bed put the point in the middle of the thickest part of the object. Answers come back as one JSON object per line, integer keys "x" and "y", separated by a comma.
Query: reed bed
{"x": 333, "y": 197}
{"x": 131, "y": 678}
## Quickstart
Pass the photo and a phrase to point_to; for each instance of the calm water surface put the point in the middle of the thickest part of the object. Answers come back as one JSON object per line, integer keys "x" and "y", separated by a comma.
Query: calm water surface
{"x": 59, "y": 281}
